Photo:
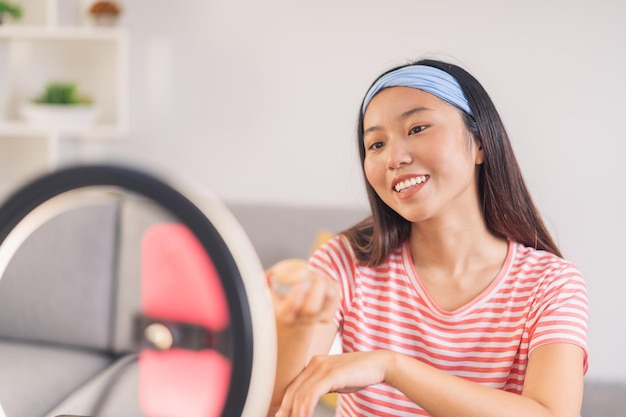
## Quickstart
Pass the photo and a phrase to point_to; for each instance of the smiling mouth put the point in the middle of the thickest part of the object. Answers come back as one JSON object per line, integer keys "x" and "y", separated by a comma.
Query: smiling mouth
{"x": 405, "y": 185}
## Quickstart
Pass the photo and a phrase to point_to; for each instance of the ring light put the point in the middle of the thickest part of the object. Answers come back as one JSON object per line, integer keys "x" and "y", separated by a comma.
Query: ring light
{"x": 206, "y": 226}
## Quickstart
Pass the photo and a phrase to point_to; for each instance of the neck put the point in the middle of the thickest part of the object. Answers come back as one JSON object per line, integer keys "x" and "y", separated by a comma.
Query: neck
{"x": 455, "y": 248}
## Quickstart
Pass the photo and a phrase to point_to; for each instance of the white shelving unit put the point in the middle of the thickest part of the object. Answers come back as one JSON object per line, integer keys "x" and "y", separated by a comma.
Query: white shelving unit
{"x": 54, "y": 41}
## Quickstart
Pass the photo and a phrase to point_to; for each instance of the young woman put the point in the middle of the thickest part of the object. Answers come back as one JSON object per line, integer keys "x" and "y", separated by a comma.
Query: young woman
{"x": 452, "y": 299}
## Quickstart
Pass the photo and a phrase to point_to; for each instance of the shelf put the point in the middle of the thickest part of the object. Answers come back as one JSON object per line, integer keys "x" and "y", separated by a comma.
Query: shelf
{"x": 9, "y": 32}
{"x": 98, "y": 131}
{"x": 94, "y": 58}
{"x": 56, "y": 41}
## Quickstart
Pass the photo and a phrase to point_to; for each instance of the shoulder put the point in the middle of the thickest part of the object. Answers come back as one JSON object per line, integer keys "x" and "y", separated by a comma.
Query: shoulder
{"x": 553, "y": 280}
{"x": 542, "y": 265}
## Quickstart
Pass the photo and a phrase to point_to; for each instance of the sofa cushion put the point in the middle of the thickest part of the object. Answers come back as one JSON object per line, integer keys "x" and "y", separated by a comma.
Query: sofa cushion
{"x": 35, "y": 377}
{"x": 113, "y": 392}
{"x": 604, "y": 398}
{"x": 58, "y": 286}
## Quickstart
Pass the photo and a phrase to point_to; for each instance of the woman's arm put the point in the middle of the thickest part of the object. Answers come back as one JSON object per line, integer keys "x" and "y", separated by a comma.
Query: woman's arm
{"x": 553, "y": 387}
{"x": 553, "y": 384}
{"x": 304, "y": 322}
{"x": 295, "y": 347}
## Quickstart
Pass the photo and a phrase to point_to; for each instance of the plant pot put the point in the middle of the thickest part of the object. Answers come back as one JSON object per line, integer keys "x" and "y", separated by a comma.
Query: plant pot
{"x": 59, "y": 115}
{"x": 104, "y": 19}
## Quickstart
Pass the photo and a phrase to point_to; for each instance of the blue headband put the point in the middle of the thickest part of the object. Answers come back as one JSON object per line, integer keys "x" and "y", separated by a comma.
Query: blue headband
{"x": 422, "y": 77}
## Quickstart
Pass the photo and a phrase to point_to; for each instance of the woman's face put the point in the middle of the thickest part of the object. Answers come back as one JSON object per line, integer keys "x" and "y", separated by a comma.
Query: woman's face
{"x": 419, "y": 156}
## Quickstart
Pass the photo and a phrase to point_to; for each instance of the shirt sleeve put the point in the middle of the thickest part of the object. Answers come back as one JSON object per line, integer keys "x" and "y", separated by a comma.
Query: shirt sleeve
{"x": 560, "y": 312}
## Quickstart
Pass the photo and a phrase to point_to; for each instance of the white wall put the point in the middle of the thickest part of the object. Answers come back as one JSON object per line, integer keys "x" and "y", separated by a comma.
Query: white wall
{"x": 258, "y": 100}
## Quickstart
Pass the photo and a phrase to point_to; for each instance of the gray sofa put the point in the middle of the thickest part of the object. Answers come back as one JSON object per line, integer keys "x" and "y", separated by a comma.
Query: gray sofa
{"x": 68, "y": 296}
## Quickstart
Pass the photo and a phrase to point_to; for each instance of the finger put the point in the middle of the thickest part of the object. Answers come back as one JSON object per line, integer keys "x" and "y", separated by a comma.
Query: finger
{"x": 300, "y": 397}
{"x": 287, "y": 272}
{"x": 315, "y": 298}
{"x": 322, "y": 300}
{"x": 306, "y": 390}
{"x": 288, "y": 307}
{"x": 305, "y": 299}
{"x": 282, "y": 285}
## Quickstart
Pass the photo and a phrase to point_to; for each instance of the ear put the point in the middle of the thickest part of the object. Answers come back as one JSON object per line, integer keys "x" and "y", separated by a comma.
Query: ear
{"x": 480, "y": 153}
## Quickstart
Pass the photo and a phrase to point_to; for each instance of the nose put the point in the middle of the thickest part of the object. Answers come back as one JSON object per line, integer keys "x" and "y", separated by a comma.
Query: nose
{"x": 398, "y": 154}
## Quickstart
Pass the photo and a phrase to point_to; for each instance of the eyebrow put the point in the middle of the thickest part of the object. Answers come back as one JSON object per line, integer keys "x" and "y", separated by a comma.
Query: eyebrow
{"x": 413, "y": 111}
{"x": 403, "y": 116}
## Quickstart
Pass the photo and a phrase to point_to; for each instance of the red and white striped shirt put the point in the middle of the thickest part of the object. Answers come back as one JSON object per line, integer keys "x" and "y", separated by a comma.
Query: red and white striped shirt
{"x": 536, "y": 299}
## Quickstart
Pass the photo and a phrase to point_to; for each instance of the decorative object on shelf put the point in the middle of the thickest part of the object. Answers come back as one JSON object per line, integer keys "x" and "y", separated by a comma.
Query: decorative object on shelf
{"x": 11, "y": 9}
{"x": 60, "y": 106}
{"x": 105, "y": 13}
{"x": 62, "y": 93}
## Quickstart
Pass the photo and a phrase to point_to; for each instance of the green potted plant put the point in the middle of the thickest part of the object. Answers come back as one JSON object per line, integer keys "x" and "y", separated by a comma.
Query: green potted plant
{"x": 8, "y": 8}
{"x": 62, "y": 93}
{"x": 60, "y": 105}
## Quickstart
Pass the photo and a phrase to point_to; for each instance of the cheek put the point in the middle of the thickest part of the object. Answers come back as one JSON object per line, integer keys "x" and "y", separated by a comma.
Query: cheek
{"x": 451, "y": 153}
{"x": 371, "y": 172}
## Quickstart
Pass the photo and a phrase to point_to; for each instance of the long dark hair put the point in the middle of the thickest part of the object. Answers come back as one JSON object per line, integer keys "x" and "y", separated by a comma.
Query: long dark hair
{"x": 508, "y": 209}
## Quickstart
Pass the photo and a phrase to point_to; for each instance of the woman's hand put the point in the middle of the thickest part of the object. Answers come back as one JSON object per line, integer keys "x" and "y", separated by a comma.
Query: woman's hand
{"x": 301, "y": 296}
{"x": 348, "y": 372}
{"x": 304, "y": 305}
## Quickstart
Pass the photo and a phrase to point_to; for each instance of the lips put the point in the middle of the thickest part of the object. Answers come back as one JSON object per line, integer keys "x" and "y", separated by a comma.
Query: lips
{"x": 404, "y": 184}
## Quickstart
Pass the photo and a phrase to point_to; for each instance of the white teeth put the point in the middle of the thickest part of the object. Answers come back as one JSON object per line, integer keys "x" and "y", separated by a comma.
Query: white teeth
{"x": 401, "y": 186}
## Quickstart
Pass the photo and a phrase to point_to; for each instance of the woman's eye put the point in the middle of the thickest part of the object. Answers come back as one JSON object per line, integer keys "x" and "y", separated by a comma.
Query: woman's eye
{"x": 416, "y": 129}
{"x": 375, "y": 145}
